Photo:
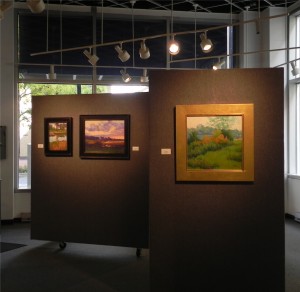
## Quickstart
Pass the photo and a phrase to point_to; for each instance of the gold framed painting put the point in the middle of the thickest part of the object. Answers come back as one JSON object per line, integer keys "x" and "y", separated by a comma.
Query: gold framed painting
{"x": 215, "y": 142}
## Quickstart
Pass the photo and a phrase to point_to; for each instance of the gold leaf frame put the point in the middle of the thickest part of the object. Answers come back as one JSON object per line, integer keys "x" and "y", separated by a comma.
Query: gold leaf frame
{"x": 246, "y": 173}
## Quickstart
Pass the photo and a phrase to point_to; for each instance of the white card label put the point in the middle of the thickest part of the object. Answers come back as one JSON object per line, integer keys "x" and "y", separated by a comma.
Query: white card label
{"x": 165, "y": 151}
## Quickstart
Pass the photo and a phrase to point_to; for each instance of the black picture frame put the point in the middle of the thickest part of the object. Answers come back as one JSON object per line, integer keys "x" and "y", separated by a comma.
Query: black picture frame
{"x": 105, "y": 136}
{"x": 58, "y": 136}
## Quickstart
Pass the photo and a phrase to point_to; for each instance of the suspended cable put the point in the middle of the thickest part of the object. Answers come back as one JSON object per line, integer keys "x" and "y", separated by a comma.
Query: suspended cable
{"x": 61, "y": 37}
{"x": 195, "y": 26}
{"x": 154, "y": 36}
{"x": 132, "y": 26}
{"x": 47, "y": 27}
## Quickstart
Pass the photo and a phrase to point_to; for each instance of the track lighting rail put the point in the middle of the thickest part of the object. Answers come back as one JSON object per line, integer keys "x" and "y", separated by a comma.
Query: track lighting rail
{"x": 156, "y": 36}
{"x": 234, "y": 55}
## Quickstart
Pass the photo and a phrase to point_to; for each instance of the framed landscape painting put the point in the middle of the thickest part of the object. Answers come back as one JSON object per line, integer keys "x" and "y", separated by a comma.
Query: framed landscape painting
{"x": 215, "y": 142}
{"x": 104, "y": 136}
{"x": 58, "y": 136}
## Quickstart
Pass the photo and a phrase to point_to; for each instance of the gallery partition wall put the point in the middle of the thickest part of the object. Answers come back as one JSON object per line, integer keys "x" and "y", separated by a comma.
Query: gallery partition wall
{"x": 77, "y": 194}
{"x": 211, "y": 235}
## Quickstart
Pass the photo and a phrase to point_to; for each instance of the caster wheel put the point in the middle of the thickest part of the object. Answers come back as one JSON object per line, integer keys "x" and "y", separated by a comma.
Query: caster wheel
{"x": 62, "y": 245}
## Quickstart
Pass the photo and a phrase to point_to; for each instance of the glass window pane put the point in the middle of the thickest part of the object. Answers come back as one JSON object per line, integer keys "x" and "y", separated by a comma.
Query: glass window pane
{"x": 298, "y": 129}
{"x": 26, "y": 90}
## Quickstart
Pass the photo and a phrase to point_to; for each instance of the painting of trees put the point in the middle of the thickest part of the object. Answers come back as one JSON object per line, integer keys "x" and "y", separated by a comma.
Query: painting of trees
{"x": 214, "y": 142}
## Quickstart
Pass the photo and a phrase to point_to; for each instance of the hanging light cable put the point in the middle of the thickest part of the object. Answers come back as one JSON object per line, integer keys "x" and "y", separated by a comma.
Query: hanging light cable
{"x": 102, "y": 22}
{"x": 60, "y": 16}
{"x": 195, "y": 41}
{"x": 173, "y": 45}
{"x": 132, "y": 25}
{"x": 257, "y": 22}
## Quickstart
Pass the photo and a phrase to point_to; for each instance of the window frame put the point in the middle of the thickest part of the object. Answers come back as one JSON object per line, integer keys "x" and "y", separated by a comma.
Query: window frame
{"x": 293, "y": 170}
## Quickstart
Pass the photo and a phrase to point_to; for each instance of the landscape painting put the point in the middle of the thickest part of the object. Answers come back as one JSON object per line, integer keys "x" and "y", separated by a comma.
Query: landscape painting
{"x": 58, "y": 136}
{"x": 104, "y": 136}
{"x": 215, "y": 142}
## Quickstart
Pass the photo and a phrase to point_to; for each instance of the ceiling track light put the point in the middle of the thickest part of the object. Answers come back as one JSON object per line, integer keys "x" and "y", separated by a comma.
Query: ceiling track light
{"x": 122, "y": 54}
{"x": 92, "y": 59}
{"x": 295, "y": 71}
{"x": 218, "y": 65}
{"x": 51, "y": 75}
{"x": 173, "y": 46}
{"x": 144, "y": 51}
{"x": 36, "y": 6}
{"x": 206, "y": 44}
{"x": 144, "y": 78}
{"x": 125, "y": 76}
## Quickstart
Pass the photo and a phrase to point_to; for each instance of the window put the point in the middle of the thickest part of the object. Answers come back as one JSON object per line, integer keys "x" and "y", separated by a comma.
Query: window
{"x": 26, "y": 90}
{"x": 294, "y": 97}
{"x": 298, "y": 129}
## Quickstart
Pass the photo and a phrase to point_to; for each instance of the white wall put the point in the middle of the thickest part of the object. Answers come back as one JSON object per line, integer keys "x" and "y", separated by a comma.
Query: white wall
{"x": 7, "y": 113}
{"x": 249, "y": 41}
{"x": 292, "y": 200}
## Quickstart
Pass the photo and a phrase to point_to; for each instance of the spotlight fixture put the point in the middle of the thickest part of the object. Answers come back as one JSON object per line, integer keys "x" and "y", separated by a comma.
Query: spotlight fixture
{"x": 36, "y": 6}
{"x": 206, "y": 44}
{"x": 144, "y": 78}
{"x": 93, "y": 59}
{"x": 51, "y": 75}
{"x": 122, "y": 54}
{"x": 5, "y": 5}
{"x": 295, "y": 71}
{"x": 125, "y": 76}
{"x": 173, "y": 47}
{"x": 218, "y": 65}
{"x": 144, "y": 51}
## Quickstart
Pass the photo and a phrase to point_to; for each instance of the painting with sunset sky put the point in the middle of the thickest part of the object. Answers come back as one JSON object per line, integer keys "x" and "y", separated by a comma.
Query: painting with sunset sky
{"x": 104, "y": 136}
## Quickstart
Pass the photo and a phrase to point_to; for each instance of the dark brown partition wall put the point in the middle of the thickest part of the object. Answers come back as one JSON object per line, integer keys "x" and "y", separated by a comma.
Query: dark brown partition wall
{"x": 102, "y": 201}
{"x": 222, "y": 236}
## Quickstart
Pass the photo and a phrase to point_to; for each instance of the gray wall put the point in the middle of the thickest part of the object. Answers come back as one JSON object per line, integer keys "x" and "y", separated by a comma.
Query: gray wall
{"x": 217, "y": 236}
{"x": 91, "y": 201}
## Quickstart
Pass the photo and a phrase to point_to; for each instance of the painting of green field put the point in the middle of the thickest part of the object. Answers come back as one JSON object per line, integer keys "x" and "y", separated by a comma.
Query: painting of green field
{"x": 214, "y": 142}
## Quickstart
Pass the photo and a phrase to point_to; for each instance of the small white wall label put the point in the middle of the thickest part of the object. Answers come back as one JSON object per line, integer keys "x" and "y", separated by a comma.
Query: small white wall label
{"x": 40, "y": 146}
{"x": 135, "y": 148}
{"x": 165, "y": 151}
